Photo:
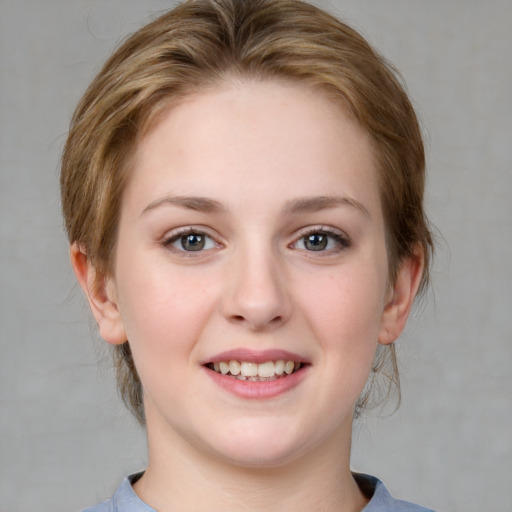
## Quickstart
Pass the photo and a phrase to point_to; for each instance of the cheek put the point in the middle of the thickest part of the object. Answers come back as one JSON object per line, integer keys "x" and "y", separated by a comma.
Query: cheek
{"x": 344, "y": 314}
{"x": 350, "y": 304}
{"x": 164, "y": 314}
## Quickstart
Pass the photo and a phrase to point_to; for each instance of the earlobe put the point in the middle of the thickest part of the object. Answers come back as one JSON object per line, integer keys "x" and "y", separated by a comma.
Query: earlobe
{"x": 100, "y": 293}
{"x": 401, "y": 297}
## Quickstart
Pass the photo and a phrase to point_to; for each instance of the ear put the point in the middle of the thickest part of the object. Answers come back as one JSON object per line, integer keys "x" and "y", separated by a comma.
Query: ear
{"x": 101, "y": 294}
{"x": 401, "y": 297}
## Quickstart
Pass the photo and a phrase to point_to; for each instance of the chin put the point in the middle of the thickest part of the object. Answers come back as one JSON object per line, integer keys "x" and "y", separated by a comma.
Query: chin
{"x": 262, "y": 458}
{"x": 262, "y": 444}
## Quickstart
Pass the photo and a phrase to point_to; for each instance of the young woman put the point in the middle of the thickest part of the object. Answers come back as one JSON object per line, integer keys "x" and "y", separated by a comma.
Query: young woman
{"x": 242, "y": 188}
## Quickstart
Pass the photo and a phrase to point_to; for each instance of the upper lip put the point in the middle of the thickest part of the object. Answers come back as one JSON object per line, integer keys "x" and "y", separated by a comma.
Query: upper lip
{"x": 255, "y": 356}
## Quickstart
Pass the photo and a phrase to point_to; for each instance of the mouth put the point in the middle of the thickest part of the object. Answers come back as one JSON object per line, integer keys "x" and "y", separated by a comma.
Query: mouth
{"x": 256, "y": 372}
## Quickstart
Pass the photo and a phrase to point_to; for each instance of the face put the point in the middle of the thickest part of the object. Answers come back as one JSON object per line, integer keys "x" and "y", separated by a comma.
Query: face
{"x": 251, "y": 273}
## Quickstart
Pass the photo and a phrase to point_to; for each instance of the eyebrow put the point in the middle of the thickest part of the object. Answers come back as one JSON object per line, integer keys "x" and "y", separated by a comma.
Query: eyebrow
{"x": 319, "y": 203}
{"x": 294, "y": 206}
{"x": 198, "y": 204}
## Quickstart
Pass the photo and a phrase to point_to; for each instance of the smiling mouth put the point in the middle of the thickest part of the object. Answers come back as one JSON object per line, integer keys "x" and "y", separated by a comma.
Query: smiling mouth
{"x": 256, "y": 372}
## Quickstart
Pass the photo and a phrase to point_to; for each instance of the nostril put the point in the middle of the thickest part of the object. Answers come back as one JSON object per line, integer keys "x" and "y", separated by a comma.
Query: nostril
{"x": 241, "y": 318}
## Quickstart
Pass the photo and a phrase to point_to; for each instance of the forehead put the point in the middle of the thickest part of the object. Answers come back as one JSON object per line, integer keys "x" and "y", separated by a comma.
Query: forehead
{"x": 259, "y": 136}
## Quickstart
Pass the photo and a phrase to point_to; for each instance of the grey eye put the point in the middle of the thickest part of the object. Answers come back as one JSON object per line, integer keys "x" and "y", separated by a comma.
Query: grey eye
{"x": 192, "y": 242}
{"x": 322, "y": 241}
{"x": 316, "y": 242}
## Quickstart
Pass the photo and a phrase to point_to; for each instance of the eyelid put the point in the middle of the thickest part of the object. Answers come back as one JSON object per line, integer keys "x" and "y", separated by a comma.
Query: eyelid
{"x": 342, "y": 239}
{"x": 172, "y": 236}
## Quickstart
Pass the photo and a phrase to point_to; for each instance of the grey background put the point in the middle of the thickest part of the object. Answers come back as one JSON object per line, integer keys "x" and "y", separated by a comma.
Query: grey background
{"x": 66, "y": 441}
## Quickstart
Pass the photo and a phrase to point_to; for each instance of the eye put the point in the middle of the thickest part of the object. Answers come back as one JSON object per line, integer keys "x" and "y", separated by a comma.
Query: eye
{"x": 190, "y": 241}
{"x": 322, "y": 240}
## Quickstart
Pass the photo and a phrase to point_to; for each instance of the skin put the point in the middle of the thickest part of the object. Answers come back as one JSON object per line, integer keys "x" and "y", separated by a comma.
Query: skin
{"x": 261, "y": 154}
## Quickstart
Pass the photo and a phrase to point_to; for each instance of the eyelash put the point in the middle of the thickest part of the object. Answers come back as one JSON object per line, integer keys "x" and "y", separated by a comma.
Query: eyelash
{"x": 341, "y": 240}
{"x": 182, "y": 234}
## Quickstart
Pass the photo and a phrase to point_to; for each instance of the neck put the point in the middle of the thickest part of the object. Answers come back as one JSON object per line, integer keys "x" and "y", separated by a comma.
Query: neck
{"x": 181, "y": 477}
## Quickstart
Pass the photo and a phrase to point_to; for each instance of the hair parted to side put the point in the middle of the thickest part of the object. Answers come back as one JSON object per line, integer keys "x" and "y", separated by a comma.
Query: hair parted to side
{"x": 202, "y": 43}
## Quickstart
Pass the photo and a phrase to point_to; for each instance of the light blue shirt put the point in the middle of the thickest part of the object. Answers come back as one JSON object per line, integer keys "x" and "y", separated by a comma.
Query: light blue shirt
{"x": 125, "y": 499}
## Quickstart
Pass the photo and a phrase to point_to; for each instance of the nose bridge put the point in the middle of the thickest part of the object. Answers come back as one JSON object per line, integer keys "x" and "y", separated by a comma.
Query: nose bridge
{"x": 256, "y": 293}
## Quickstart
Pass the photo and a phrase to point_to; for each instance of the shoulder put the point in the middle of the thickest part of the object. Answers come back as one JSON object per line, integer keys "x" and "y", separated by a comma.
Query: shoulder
{"x": 380, "y": 498}
{"x": 124, "y": 499}
{"x": 106, "y": 506}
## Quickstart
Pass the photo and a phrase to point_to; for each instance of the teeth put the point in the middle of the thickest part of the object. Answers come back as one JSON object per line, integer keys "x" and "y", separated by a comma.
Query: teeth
{"x": 245, "y": 370}
{"x": 249, "y": 369}
{"x": 267, "y": 369}
{"x": 234, "y": 367}
{"x": 279, "y": 367}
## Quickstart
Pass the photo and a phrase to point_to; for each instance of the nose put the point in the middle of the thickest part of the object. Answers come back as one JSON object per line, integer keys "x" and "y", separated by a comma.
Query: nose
{"x": 256, "y": 293}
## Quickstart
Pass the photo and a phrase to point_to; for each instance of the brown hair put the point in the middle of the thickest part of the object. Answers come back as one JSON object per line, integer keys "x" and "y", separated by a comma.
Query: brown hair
{"x": 201, "y": 43}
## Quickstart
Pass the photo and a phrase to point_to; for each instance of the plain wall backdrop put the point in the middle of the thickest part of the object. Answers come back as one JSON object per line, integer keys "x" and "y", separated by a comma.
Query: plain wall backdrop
{"x": 66, "y": 441}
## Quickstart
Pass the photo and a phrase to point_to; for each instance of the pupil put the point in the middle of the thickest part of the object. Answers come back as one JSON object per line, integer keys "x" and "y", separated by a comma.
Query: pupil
{"x": 193, "y": 242}
{"x": 316, "y": 242}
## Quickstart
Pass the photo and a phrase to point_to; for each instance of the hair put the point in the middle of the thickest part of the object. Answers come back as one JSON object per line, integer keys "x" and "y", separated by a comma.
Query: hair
{"x": 204, "y": 43}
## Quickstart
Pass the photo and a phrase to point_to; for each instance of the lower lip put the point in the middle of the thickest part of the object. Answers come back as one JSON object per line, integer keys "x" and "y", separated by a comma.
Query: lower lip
{"x": 258, "y": 390}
